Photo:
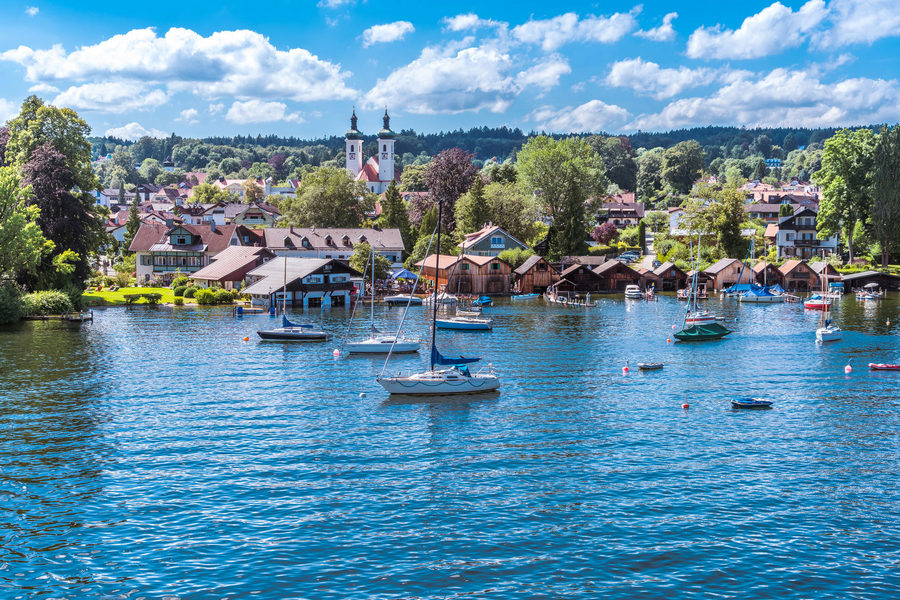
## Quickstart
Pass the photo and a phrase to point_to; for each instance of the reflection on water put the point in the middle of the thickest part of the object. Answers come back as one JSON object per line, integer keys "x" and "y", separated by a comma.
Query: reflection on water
{"x": 156, "y": 454}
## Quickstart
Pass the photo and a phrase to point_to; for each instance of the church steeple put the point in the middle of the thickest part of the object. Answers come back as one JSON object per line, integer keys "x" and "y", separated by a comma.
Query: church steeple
{"x": 386, "y": 150}
{"x": 354, "y": 133}
{"x": 353, "y": 147}
{"x": 386, "y": 132}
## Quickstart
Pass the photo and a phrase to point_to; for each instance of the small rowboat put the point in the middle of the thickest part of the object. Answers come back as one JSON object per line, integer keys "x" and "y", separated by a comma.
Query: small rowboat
{"x": 883, "y": 367}
{"x": 524, "y": 296}
{"x": 750, "y": 403}
{"x": 650, "y": 366}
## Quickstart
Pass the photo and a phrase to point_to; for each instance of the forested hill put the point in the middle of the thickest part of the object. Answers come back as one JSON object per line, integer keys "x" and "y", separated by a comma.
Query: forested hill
{"x": 484, "y": 142}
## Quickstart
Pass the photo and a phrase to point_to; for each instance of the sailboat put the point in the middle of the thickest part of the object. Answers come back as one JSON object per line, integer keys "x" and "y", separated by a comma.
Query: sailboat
{"x": 699, "y": 327}
{"x": 291, "y": 332}
{"x": 379, "y": 342}
{"x": 826, "y": 331}
{"x": 445, "y": 375}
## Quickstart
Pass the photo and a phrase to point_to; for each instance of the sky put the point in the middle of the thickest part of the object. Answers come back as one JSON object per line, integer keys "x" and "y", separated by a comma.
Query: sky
{"x": 204, "y": 68}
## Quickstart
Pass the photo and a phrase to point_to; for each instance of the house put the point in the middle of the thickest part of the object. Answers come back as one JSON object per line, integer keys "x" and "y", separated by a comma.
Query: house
{"x": 590, "y": 260}
{"x": 616, "y": 275}
{"x": 313, "y": 242}
{"x": 670, "y": 278}
{"x": 236, "y": 186}
{"x": 465, "y": 274}
{"x": 490, "y": 240}
{"x": 164, "y": 249}
{"x": 727, "y": 272}
{"x": 379, "y": 171}
{"x": 798, "y": 276}
{"x": 535, "y": 275}
{"x": 262, "y": 214}
{"x": 797, "y": 237}
{"x": 676, "y": 218}
{"x": 825, "y": 269}
{"x": 622, "y": 214}
{"x": 229, "y": 268}
{"x": 857, "y": 281}
{"x": 309, "y": 282}
{"x": 766, "y": 273}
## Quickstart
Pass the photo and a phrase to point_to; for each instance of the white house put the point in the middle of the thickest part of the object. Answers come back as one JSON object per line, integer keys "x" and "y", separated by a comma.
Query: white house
{"x": 797, "y": 237}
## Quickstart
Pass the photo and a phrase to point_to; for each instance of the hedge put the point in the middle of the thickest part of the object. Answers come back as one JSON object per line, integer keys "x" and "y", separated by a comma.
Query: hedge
{"x": 50, "y": 302}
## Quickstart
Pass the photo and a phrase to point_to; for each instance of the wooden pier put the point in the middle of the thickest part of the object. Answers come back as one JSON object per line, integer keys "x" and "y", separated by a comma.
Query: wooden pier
{"x": 79, "y": 317}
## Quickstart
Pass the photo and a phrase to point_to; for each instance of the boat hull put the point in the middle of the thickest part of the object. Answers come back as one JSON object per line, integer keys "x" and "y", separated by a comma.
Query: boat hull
{"x": 817, "y": 305}
{"x": 383, "y": 346}
{"x": 828, "y": 334}
{"x": 403, "y": 300}
{"x": 702, "y": 333}
{"x": 277, "y": 336}
{"x": 760, "y": 299}
{"x": 883, "y": 367}
{"x": 751, "y": 403}
{"x": 524, "y": 296}
{"x": 650, "y": 366}
{"x": 465, "y": 324}
{"x": 440, "y": 384}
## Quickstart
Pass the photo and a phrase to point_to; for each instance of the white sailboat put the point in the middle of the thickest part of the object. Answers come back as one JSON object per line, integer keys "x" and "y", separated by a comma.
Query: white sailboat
{"x": 826, "y": 331}
{"x": 378, "y": 342}
{"x": 445, "y": 375}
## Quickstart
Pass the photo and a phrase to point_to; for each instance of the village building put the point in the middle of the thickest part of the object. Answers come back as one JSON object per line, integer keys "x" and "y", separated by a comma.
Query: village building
{"x": 229, "y": 268}
{"x": 858, "y": 281}
{"x": 477, "y": 275}
{"x": 258, "y": 214}
{"x": 490, "y": 240}
{"x": 590, "y": 260}
{"x": 669, "y": 277}
{"x": 798, "y": 276}
{"x": 379, "y": 171}
{"x": 308, "y": 281}
{"x": 767, "y": 274}
{"x": 621, "y": 210}
{"x": 825, "y": 269}
{"x": 616, "y": 275}
{"x": 577, "y": 279}
{"x": 165, "y": 249}
{"x": 332, "y": 242}
{"x": 797, "y": 237}
{"x": 535, "y": 275}
{"x": 726, "y": 272}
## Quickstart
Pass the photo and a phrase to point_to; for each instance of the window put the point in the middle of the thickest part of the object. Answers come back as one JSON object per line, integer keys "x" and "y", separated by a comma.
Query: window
{"x": 352, "y": 149}
{"x": 384, "y": 148}
{"x": 313, "y": 279}
{"x": 180, "y": 240}
{"x": 542, "y": 266}
{"x": 146, "y": 260}
{"x": 338, "y": 278}
{"x": 464, "y": 267}
{"x": 495, "y": 266}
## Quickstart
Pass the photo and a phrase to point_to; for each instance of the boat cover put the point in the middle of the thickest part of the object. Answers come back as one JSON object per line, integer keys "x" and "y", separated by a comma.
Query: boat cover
{"x": 741, "y": 287}
{"x": 777, "y": 289}
{"x": 439, "y": 359}
{"x": 286, "y": 323}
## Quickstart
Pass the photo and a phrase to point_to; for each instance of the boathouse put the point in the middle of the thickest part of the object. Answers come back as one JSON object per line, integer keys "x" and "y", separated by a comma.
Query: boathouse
{"x": 669, "y": 278}
{"x": 309, "y": 282}
{"x": 726, "y": 272}
{"x": 886, "y": 281}
{"x": 823, "y": 268}
{"x": 579, "y": 279}
{"x": 229, "y": 268}
{"x": 799, "y": 277}
{"x": 535, "y": 275}
{"x": 477, "y": 275}
{"x": 616, "y": 275}
{"x": 766, "y": 273}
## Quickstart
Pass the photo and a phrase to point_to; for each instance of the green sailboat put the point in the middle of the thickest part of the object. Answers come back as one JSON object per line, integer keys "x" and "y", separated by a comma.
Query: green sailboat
{"x": 698, "y": 332}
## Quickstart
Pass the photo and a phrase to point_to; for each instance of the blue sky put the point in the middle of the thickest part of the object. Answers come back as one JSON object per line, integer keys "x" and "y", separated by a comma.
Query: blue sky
{"x": 222, "y": 68}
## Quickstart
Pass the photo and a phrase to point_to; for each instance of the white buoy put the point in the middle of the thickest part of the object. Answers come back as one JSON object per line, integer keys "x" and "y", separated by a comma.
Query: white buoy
{"x": 848, "y": 369}
{"x": 336, "y": 353}
{"x": 362, "y": 395}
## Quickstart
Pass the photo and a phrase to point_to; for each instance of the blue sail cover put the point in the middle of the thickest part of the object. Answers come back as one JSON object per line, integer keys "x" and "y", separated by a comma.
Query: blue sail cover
{"x": 741, "y": 287}
{"x": 777, "y": 289}
{"x": 758, "y": 291}
{"x": 286, "y": 323}
{"x": 438, "y": 359}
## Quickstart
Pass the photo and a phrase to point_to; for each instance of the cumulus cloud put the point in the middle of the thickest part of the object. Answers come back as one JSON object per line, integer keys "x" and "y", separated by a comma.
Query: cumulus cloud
{"x": 663, "y": 33}
{"x": 469, "y": 21}
{"x": 767, "y": 32}
{"x": 861, "y": 21}
{"x": 188, "y": 115}
{"x": 7, "y": 110}
{"x": 766, "y": 101}
{"x": 649, "y": 79}
{"x": 389, "y": 32}
{"x": 258, "y": 111}
{"x": 111, "y": 97}
{"x": 226, "y": 63}
{"x": 333, "y": 3}
{"x": 593, "y": 116}
{"x": 544, "y": 75}
{"x": 43, "y": 88}
{"x": 134, "y": 131}
{"x": 216, "y": 108}
{"x": 32, "y": 11}
{"x": 552, "y": 33}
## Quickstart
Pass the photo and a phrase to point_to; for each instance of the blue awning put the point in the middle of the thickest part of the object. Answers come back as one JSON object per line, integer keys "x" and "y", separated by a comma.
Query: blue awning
{"x": 403, "y": 274}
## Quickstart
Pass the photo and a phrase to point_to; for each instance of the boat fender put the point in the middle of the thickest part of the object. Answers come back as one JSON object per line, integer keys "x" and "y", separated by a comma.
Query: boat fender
{"x": 668, "y": 340}
{"x": 362, "y": 395}
{"x": 848, "y": 369}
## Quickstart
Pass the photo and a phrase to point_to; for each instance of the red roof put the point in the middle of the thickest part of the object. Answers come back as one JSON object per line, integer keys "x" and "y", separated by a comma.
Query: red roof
{"x": 152, "y": 233}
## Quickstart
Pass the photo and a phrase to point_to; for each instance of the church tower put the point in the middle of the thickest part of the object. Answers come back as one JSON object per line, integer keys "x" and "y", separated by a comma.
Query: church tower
{"x": 353, "y": 142}
{"x": 386, "y": 151}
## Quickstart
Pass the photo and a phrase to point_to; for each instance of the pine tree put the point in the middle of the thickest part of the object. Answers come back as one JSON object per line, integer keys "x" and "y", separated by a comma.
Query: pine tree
{"x": 472, "y": 210}
{"x": 395, "y": 215}
{"x": 131, "y": 226}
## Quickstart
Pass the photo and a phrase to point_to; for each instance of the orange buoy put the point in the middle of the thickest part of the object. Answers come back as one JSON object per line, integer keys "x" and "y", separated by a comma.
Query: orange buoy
{"x": 336, "y": 353}
{"x": 246, "y": 339}
{"x": 685, "y": 405}
{"x": 668, "y": 340}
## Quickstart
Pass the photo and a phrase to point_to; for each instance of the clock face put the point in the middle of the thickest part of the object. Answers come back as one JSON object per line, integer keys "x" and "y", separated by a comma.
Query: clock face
{"x": 384, "y": 155}
{"x": 352, "y": 155}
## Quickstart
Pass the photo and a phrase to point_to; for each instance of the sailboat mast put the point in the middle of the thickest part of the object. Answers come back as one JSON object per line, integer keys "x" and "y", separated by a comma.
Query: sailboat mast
{"x": 284, "y": 289}
{"x": 372, "y": 311}
{"x": 437, "y": 264}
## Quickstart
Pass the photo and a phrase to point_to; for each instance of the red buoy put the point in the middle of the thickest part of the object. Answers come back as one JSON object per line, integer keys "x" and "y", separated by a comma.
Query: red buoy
{"x": 685, "y": 405}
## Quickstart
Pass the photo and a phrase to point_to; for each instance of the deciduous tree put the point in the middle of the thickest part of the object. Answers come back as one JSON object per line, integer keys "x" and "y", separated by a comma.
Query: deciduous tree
{"x": 22, "y": 243}
{"x": 361, "y": 261}
{"x": 886, "y": 192}
{"x": 682, "y": 165}
{"x": 449, "y": 176}
{"x": 605, "y": 233}
{"x": 328, "y": 197}
{"x": 395, "y": 215}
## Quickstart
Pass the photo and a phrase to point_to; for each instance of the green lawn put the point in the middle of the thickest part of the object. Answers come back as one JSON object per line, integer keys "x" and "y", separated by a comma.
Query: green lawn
{"x": 106, "y": 297}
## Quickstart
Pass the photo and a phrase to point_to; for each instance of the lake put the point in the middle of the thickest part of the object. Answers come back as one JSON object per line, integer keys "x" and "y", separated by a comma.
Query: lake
{"x": 154, "y": 454}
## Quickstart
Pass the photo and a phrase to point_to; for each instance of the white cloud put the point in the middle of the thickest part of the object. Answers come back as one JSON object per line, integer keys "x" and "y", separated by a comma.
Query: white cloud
{"x": 469, "y": 21}
{"x": 257, "y": 111}
{"x": 861, "y": 21}
{"x": 215, "y": 109}
{"x": 226, "y": 63}
{"x": 782, "y": 98}
{"x": 43, "y": 88}
{"x": 553, "y": 33}
{"x": 389, "y": 32}
{"x": 333, "y": 3}
{"x": 111, "y": 97}
{"x": 32, "y": 11}
{"x": 593, "y": 116}
{"x": 768, "y": 32}
{"x": 7, "y": 110}
{"x": 648, "y": 79}
{"x": 134, "y": 131}
{"x": 544, "y": 75}
{"x": 663, "y": 33}
{"x": 188, "y": 115}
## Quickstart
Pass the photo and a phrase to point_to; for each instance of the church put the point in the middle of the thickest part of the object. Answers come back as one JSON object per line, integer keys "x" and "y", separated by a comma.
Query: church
{"x": 379, "y": 171}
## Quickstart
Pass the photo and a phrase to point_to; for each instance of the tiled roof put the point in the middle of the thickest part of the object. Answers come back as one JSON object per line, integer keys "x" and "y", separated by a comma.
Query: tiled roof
{"x": 151, "y": 234}
{"x": 771, "y": 230}
{"x": 665, "y": 267}
{"x": 790, "y": 265}
{"x": 446, "y": 261}
{"x": 231, "y": 260}
{"x": 758, "y": 267}
{"x": 477, "y": 236}
{"x": 529, "y": 263}
{"x": 721, "y": 265}
{"x": 369, "y": 172}
{"x": 380, "y": 239}
{"x": 611, "y": 265}
{"x": 273, "y": 272}
{"x": 575, "y": 267}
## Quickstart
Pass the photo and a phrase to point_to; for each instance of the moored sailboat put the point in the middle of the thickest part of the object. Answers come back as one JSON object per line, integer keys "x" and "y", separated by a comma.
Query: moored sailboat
{"x": 697, "y": 326}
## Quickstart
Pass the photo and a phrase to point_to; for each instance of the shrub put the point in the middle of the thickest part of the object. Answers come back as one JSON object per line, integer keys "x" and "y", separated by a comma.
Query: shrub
{"x": 190, "y": 292}
{"x": 152, "y": 299}
{"x": 224, "y": 297}
{"x": 122, "y": 279}
{"x": 179, "y": 291}
{"x": 50, "y": 302}
{"x": 179, "y": 301}
{"x": 205, "y": 297}
{"x": 179, "y": 282}
{"x": 10, "y": 303}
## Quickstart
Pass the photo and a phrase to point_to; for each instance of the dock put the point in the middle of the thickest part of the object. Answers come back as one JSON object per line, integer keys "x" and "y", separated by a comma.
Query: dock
{"x": 79, "y": 317}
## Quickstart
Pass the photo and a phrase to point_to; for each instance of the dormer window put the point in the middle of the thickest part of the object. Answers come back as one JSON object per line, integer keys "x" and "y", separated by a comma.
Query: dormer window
{"x": 328, "y": 240}
{"x": 287, "y": 241}
{"x": 305, "y": 242}
{"x": 345, "y": 240}
{"x": 362, "y": 239}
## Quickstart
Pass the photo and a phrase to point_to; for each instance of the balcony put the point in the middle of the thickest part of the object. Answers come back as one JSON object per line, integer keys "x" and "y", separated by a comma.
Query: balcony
{"x": 814, "y": 243}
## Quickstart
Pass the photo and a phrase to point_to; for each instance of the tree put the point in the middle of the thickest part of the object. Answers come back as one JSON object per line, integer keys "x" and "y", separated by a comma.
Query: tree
{"x": 649, "y": 175}
{"x": 361, "y": 261}
{"x": 759, "y": 170}
{"x": 785, "y": 210}
{"x": 22, "y": 244}
{"x": 394, "y": 215}
{"x": 563, "y": 174}
{"x": 276, "y": 161}
{"x": 328, "y": 197}
{"x": 846, "y": 180}
{"x": 618, "y": 160}
{"x": 724, "y": 217}
{"x": 682, "y": 165}
{"x": 412, "y": 179}
{"x": 514, "y": 211}
{"x": 472, "y": 212}
{"x": 449, "y": 176}
{"x": 131, "y": 226}
{"x": 886, "y": 192}
{"x": 150, "y": 169}
{"x": 253, "y": 193}
{"x": 604, "y": 234}
{"x": 642, "y": 236}
{"x": 4, "y": 140}
{"x": 206, "y": 193}
{"x": 516, "y": 256}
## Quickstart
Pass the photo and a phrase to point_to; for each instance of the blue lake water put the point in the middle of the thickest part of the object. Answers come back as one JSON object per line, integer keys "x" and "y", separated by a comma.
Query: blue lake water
{"x": 154, "y": 454}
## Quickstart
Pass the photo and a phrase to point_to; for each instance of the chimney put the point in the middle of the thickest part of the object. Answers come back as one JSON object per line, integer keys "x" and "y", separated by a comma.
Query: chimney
{"x": 170, "y": 223}
{"x": 212, "y": 225}
{"x": 292, "y": 229}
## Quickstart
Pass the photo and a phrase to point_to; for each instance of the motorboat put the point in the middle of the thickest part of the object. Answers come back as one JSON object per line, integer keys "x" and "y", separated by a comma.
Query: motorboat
{"x": 653, "y": 366}
{"x": 293, "y": 332}
{"x": 883, "y": 367}
{"x": 452, "y": 380}
{"x": 703, "y": 317}
{"x": 760, "y": 295}
{"x": 381, "y": 343}
{"x": 442, "y": 298}
{"x": 633, "y": 291}
{"x": 524, "y": 296}
{"x": 483, "y": 301}
{"x": 828, "y": 333}
{"x": 751, "y": 403}
{"x": 465, "y": 323}
{"x": 401, "y": 300}
{"x": 817, "y": 302}
{"x": 702, "y": 333}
